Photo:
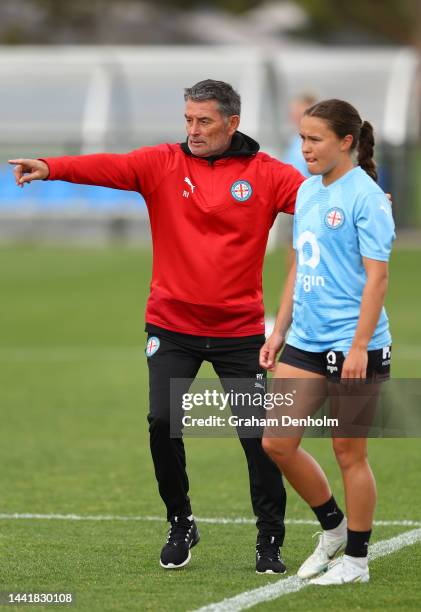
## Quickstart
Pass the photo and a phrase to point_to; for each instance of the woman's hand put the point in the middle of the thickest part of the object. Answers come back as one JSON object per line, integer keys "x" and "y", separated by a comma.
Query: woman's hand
{"x": 269, "y": 350}
{"x": 355, "y": 365}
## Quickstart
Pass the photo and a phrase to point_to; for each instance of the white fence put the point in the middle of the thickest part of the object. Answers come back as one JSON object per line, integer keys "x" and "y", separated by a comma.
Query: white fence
{"x": 78, "y": 99}
{"x": 71, "y": 100}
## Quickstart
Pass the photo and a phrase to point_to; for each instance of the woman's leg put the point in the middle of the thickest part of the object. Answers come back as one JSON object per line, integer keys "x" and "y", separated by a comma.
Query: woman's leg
{"x": 301, "y": 469}
{"x": 357, "y": 407}
{"x": 358, "y": 403}
{"x": 359, "y": 485}
{"x": 358, "y": 479}
{"x": 360, "y": 497}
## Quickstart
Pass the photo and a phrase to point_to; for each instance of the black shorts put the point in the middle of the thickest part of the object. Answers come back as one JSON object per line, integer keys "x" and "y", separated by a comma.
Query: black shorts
{"x": 330, "y": 363}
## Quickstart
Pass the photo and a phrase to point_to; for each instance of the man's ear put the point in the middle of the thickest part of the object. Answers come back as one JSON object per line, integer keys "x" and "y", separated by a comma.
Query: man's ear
{"x": 233, "y": 123}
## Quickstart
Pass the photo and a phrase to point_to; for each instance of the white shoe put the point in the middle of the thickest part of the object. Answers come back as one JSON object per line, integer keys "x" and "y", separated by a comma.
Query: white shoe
{"x": 345, "y": 570}
{"x": 330, "y": 543}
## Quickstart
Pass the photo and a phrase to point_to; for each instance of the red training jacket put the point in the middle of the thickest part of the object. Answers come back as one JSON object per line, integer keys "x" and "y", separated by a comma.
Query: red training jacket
{"x": 210, "y": 223}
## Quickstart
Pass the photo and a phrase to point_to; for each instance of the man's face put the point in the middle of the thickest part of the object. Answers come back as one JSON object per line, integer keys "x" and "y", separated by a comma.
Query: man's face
{"x": 209, "y": 132}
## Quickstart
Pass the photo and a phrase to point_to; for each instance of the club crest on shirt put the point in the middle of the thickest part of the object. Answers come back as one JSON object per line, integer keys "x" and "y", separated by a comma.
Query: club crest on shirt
{"x": 334, "y": 218}
{"x": 152, "y": 346}
{"x": 241, "y": 191}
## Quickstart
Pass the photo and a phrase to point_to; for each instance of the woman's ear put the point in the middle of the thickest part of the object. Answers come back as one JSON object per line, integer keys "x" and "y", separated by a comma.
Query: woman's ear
{"x": 346, "y": 143}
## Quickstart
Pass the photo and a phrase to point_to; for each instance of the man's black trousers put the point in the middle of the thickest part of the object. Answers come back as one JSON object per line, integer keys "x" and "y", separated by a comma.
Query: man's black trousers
{"x": 180, "y": 356}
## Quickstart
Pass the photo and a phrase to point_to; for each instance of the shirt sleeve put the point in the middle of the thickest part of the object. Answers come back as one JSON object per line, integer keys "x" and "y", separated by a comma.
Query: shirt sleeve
{"x": 375, "y": 226}
{"x": 286, "y": 182}
{"x": 141, "y": 170}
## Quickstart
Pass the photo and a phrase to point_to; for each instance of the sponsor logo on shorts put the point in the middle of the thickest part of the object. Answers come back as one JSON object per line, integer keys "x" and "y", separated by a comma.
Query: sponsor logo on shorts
{"x": 152, "y": 346}
{"x": 331, "y": 360}
{"x": 387, "y": 353}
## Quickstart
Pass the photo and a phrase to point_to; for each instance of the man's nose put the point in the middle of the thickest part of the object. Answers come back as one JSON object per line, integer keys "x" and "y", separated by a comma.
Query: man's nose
{"x": 194, "y": 128}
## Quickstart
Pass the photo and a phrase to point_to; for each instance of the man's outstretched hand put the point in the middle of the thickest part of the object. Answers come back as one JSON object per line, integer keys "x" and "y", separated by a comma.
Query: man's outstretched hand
{"x": 27, "y": 170}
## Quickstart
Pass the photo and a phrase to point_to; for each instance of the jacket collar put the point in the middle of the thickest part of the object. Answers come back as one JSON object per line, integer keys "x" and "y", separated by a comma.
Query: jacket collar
{"x": 241, "y": 146}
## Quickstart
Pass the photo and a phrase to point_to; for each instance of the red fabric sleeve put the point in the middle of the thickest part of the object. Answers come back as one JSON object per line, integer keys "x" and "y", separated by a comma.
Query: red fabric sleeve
{"x": 141, "y": 170}
{"x": 286, "y": 182}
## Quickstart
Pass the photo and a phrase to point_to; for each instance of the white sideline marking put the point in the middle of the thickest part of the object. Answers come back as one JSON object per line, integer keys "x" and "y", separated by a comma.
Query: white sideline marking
{"x": 248, "y": 599}
{"x": 160, "y": 519}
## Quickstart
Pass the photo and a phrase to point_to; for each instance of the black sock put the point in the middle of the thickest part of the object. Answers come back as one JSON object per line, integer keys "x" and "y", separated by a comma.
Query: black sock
{"x": 357, "y": 543}
{"x": 329, "y": 514}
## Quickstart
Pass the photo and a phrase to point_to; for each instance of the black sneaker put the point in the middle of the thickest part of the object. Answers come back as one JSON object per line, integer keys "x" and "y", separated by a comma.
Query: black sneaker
{"x": 268, "y": 559}
{"x": 182, "y": 536}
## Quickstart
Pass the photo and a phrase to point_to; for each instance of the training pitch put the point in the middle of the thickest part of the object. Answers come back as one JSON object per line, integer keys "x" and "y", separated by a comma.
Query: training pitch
{"x": 79, "y": 508}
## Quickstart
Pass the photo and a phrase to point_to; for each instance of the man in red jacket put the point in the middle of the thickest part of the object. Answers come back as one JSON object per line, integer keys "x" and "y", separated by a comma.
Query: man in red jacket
{"x": 211, "y": 202}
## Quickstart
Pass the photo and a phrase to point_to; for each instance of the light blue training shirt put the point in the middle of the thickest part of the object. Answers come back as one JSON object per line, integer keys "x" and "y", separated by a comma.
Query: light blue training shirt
{"x": 334, "y": 227}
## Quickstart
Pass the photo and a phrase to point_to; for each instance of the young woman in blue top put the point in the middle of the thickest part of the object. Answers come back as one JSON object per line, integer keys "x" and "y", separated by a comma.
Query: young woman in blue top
{"x": 333, "y": 306}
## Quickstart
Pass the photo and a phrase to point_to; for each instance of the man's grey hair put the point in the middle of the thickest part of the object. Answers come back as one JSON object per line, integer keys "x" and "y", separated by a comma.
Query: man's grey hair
{"x": 228, "y": 99}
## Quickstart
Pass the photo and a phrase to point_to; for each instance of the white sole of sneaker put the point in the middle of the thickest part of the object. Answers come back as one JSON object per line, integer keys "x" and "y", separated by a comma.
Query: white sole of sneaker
{"x": 171, "y": 566}
{"x": 357, "y": 580}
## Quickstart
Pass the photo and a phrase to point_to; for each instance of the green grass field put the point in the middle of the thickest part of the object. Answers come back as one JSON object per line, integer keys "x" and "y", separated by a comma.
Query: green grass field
{"x": 73, "y": 440}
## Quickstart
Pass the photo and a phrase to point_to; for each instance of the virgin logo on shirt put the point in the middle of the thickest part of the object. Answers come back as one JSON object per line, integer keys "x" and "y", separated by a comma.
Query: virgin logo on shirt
{"x": 241, "y": 191}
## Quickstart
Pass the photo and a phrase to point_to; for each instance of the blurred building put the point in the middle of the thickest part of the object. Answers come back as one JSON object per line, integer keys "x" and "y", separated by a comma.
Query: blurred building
{"x": 71, "y": 100}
